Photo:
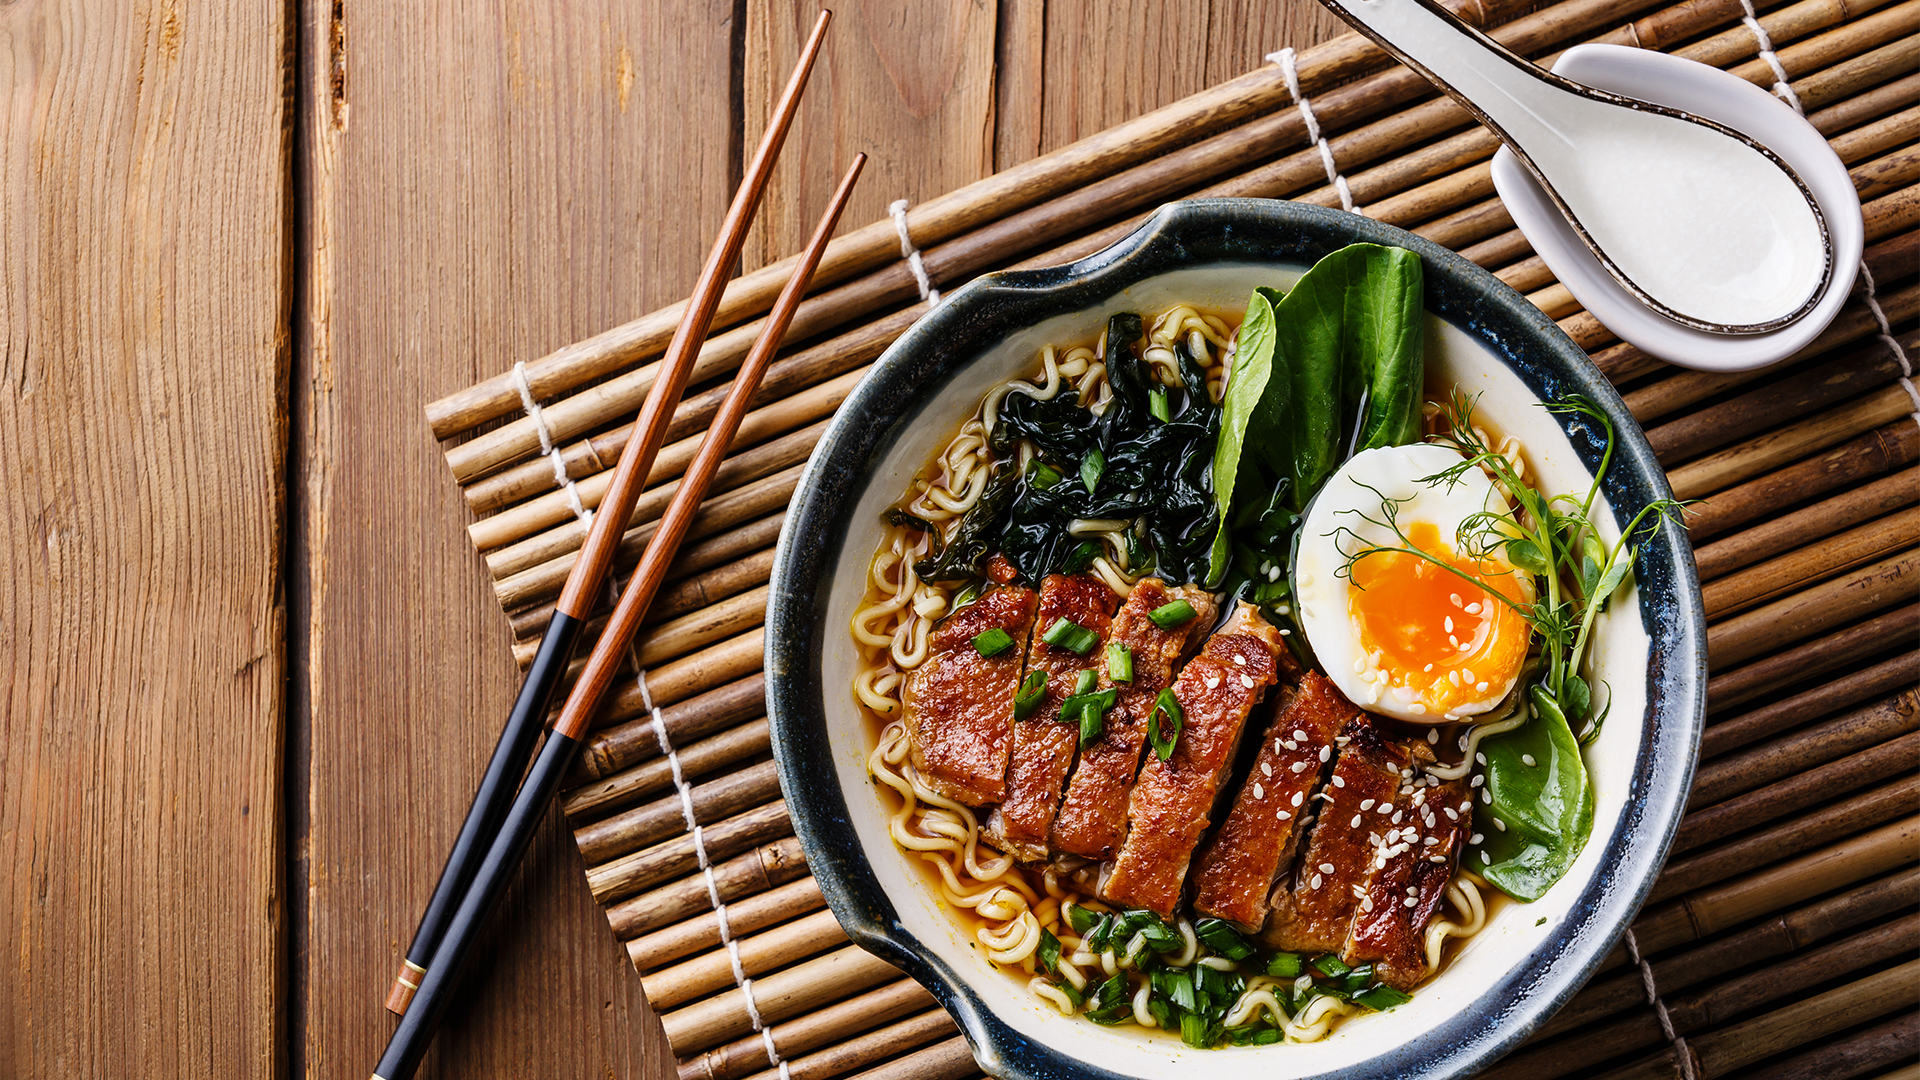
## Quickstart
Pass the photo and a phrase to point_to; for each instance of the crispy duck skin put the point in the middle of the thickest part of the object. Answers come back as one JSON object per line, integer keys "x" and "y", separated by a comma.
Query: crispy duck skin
{"x": 1257, "y": 842}
{"x": 1093, "y": 816}
{"x": 1043, "y": 746}
{"x": 1313, "y": 908}
{"x": 959, "y": 704}
{"x": 1173, "y": 799}
{"x": 1408, "y": 882}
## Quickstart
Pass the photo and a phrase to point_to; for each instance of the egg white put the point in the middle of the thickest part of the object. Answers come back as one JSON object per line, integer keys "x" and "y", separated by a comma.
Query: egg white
{"x": 1348, "y": 517}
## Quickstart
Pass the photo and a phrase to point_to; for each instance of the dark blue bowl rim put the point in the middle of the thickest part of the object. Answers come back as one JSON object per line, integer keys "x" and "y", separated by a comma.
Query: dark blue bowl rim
{"x": 1185, "y": 234}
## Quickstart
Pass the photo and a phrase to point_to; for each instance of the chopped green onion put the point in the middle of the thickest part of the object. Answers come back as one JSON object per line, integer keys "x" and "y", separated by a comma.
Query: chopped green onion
{"x": 1253, "y": 1034}
{"x": 1081, "y": 918}
{"x": 1084, "y": 682}
{"x": 1071, "y": 636}
{"x": 1194, "y": 1031}
{"x": 1042, "y": 475}
{"x": 1096, "y": 941}
{"x": 1172, "y": 615}
{"x": 1092, "y": 468}
{"x": 968, "y": 594}
{"x": 1078, "y": 997}
{"x": 1032, "y": 692}
{"x": 1048, "y": 951}
{"x": 1358, "y": 979}
{"x": 993, "y": 642}
{"x": 1119, "y": 662}
{"x": 1284, "y": 965}
{"x": 1180, "y": 989}
{"x": 1164, "y": 733}
{"x": 1331, "y": 966}
{"x": 1223, "y": 939}
{"x": 1160, "y": 1011}
{"x": 1381, "y": 998}
{"x": 1157, "y": 404}
{"x": 1081, "y": 557}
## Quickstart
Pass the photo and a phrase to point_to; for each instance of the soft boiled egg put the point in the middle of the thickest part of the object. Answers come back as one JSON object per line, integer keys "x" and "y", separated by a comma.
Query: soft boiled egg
{"x": 1401, "y": 634}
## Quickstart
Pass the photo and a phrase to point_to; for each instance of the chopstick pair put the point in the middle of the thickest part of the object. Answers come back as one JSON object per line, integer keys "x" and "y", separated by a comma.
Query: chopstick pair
{"x": 499, "y": 825}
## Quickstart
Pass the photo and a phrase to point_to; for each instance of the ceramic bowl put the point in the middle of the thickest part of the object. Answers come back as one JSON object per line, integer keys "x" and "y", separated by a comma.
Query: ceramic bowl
{"x": 1481, "y": 336}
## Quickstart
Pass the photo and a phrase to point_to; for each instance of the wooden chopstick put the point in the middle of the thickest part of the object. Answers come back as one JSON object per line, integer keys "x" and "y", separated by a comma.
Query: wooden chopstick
{"x": 589, "y": 574}
{"x": 557, "y": 754}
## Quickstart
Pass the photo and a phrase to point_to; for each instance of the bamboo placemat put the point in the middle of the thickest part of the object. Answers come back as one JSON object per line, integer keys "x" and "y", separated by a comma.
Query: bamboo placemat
{"x": 1779, "y": 940}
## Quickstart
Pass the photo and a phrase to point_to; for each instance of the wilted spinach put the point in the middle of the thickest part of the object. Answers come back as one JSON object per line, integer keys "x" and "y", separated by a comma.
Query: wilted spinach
{"x": 1127, "y": 464}
{"x": 1320, "y": 373}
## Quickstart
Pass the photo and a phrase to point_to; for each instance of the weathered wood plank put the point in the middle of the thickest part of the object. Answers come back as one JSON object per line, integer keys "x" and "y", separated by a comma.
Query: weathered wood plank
{"x": 143, "y": 297}
{"x": 499, "y": 180}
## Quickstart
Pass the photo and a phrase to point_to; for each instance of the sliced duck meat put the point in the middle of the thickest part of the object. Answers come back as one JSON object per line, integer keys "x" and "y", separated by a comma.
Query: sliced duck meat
{"x": 1409, "y": 872}
{"x": 1173, "y": 799}
{"x": 1313, "y": 908}
{"x": 1069, "y": 635}
{"x": 1093, "y": 816}
{"x": 959, "y": 701}
{"x": 1256, "y": 844}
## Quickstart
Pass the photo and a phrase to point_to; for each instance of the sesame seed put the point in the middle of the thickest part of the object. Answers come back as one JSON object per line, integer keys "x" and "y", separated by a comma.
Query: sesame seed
{"x": 1247, "y": 680}
{"x": 1314, "y": 882}
{"x": 1466, "y": 646}
{"x": 1240, "y": 660}
{"x": 1299, "y": 797}
{"x": 1481, "y": 758}
{"x": 1212, "y": 681}
{"x": 1283, "y": 815}
{"x": 1298, "y": 767}
{"x": 1437, "y": 858}
{"x": 1449, "y": 624}
{"x": 1475, "y": 838}
{"x": 1411, "y": 902}
{"x": 1477, "y": 781}
{"x": 1527, "y": 760}
{"x": 1481, "y": 686}
{"x": 1453, "y": 639}
{"x": 1499, "y": 824}
{"x": 1326, "y": 753}
{"x": 1486, "y": 796}
{"x": 1455, "y": 597}
{"x": 1466, "y": 674}
{"x": 1386, "y": 808}
{"x": 1429, "y": 667}
{"x": 1366, "y": 804}
{"x": 1327, "y": 795}
{"x": 1326, "y": 868}
{"x": 1355, "y": 823}
{"x": 1473, "y": 608}
{"x": 1359, "y": 665}
{"x": 1433, "y": 736}
{"x": 1463, "y": 743}
{"x": 1397, "y": 815}
{"x": 1299, "y": 734}
{"x": 1290, "y": 744}
{"x": 1366, "y": 903}
{"x": 1430, "y": 841}
{"x": 1266, "y": 768}
{"x": 1339, "y": 781}
{"x": 1453, "y": 677}
{"x": 1452, "y": 814}
{"x": 1485, "y": 858}
{"x": 1258, "y": 791}
{"x": 1417, "y": 708}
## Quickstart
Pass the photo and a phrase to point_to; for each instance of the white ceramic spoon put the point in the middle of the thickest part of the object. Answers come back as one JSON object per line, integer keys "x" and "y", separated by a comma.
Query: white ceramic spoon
{"x": 1699, "y": 222}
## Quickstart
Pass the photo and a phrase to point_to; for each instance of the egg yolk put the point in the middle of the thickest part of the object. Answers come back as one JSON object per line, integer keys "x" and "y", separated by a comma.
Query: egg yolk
{"x": 1439, "y": 640}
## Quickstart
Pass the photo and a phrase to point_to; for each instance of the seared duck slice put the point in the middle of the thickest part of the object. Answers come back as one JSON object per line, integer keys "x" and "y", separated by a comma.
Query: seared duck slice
{"x": 1043, "y": 744}
{"x": 1093, "y": 817}
{"x": 959, "y": 704}
{"x": 1257, "y": 842}
{"x": 1173, "y": 799}
{"x": 1408, "y": 879}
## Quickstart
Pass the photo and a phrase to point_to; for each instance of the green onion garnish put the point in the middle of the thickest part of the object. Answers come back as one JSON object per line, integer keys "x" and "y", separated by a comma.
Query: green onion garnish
{"x": 1081, "y": 919}
{"x": 1092, "y": 468}
{"x": 1180, "y": 989}
{"x": 1157, "y": 404}
{"x": 1381, "y": 998}
{"x": 1119, "y": 662}
{"x": 1164, "y": 724}
{"x": 1359, "y": 978}
{"x": 1284, "y": 965}
{"x": 968, "y": 594}
{"x": 1093, "y": 724}
{"x": 1068, "y": 635}
{"x": 1331, "y": 966}
{"x": 1194, "y": 1031}
{"x": 1042, "y": 475}
{"x": 1078, "y": 997}
{"x": 1223, "y": 939}
{"x": 1171, "y": 615}
{"x": 993, "y": 642}
{"x": 1032, "y": 692}
{"x": 1049, "y": 951}
{"x": 1084, "y": 682}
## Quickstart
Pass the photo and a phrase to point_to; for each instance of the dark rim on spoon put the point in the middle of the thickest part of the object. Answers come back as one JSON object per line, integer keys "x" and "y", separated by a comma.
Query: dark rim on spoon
{"x": 1582, "y": 90}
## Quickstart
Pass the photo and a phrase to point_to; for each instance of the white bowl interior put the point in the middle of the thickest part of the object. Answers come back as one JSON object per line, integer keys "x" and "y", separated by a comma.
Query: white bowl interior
{"x": 1621, "y": 656}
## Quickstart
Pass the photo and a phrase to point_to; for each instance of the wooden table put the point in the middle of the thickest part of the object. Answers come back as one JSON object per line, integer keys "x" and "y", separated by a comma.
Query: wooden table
{"x": 249, "y": 665}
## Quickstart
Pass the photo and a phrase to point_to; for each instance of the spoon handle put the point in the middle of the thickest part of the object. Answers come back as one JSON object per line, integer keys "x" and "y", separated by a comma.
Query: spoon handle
{"x": 1520, "y": 102}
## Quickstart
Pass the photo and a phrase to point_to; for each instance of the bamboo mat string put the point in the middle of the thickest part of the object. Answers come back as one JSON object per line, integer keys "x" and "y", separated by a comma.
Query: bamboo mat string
{"x": 727, "y": 940}
{"x": 547, "y": 448}
{"x": 1291, "y": 73}
{"x": 1867, "y": 289}
{"x": 898, "y": 211}
{"x": 1660, "y": 1008}
{"x": 1781, "y": 87}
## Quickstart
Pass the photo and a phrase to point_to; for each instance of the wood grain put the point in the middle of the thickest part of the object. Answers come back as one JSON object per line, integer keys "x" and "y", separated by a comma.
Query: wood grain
{"x": 144, "y": 280}
{"x": 496, "y": 190}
